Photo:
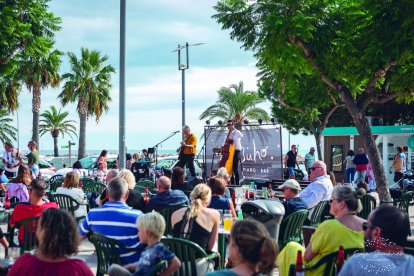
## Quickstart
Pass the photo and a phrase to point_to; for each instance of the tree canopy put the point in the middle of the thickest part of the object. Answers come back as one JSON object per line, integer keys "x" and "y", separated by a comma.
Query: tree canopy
{"x": 361, "y": 50}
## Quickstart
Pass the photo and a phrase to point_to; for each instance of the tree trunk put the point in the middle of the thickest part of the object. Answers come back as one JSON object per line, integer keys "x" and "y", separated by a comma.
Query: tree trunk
{"x": 82, "y": 135}
{"x": 36, "y": 101}
{"x": 364, "y": 130}
{"x": 318, "y": 136}
{"x": 55, "y": 146}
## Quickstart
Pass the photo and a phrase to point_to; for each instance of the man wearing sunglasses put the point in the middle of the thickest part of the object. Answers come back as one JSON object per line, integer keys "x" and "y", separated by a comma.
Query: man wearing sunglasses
{"x": 321, "y": 187}
{"x": 386, "y": 233}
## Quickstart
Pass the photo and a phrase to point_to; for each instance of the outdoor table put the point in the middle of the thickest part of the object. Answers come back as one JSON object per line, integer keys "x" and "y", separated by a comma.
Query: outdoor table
{"x": 222, "y": 245}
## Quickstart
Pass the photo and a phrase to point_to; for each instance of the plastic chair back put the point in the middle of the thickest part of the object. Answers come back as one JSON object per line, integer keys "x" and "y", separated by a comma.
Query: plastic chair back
{"x": 403, "y": 203}
{"x": 291, "y": 228}
{"x": 368, "y": 204}
{"x": 318, "y": 213}
{"x": 166, "y": 213}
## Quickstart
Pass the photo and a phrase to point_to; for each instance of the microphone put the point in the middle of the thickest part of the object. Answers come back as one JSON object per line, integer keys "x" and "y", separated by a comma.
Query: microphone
{"x": 176, "y": 131}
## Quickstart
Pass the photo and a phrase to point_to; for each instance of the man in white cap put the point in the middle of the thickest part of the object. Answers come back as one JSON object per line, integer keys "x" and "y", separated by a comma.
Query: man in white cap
{"x": 293, "y": 202}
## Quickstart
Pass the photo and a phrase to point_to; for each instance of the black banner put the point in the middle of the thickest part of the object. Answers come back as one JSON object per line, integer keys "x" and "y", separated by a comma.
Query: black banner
{"x": 261, "y": 155}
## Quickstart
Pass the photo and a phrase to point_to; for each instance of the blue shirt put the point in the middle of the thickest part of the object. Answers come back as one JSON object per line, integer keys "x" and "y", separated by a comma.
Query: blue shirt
{"x": 151, "y": 256}
{"x": 166, "y": 199}
{"x": 4, "y": 178}
{"x": 294, "y": 204}
{"x": 219, "y": 203}
{"x": 116, "y": 220}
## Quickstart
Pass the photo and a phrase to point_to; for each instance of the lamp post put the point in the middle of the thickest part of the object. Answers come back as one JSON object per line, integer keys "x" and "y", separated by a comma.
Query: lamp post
{"x": 122, "y": 85}
{"x": 183, "y": 67}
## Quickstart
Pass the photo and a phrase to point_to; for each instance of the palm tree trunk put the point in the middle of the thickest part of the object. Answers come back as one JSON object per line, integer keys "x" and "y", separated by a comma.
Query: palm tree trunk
{"x": 36, "y": 101}
{"x": 82, "y": 135}
{"x": 55, "y": 146}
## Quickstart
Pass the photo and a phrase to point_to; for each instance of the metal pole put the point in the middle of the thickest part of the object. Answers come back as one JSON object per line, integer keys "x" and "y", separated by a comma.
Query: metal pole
{"x": 122, "y": 87}
{"x": 183, "y": 100}
{"x": 70, "y": 153}
{"x": 18, "y": 131}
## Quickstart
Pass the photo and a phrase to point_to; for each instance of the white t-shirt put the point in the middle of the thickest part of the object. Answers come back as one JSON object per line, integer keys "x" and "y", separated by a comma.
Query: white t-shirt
{"x": 76, "y": 194}
{"x": 236, "y": 135}
{"x": 10, "y": 159}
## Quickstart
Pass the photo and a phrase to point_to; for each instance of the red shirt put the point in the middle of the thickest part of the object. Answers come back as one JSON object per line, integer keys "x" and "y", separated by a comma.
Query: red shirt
{"x": 30, "y": 265}
{"x": 23, "y": 211}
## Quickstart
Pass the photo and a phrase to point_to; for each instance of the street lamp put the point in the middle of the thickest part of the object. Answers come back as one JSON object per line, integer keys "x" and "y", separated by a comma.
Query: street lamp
{"x": 183, "y": 67}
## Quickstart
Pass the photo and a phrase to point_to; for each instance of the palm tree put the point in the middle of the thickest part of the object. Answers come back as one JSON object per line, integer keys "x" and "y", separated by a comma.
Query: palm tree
{"x": 89, "y": 84}
{"x": 55, "y": 123}
{"x": 235, "y": 103}
{"x": 7, "y": 132}
{"x": 39, "y": 71}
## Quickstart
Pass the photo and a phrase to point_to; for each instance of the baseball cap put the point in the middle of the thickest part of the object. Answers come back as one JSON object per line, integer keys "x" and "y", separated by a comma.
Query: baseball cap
{"x": 291, "y": 183}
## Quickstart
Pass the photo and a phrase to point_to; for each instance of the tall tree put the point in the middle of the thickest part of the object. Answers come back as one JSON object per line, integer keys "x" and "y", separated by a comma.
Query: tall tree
{"x": 88, "y": 83}
{"x": 234, "y": 102}
{"x": 361, "y": 49}
{"x": 7, "y": 131}
{"x": 25, "y": 26}
{"x": 55, "y": 122}
{"x": 38, "y": 71}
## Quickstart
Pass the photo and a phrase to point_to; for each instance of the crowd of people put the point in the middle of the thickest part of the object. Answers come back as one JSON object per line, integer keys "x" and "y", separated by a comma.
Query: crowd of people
{"x": 124, "y": 215}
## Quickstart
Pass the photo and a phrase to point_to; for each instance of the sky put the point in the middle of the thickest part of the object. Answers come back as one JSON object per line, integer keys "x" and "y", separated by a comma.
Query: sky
{"x": 154, "y": 28}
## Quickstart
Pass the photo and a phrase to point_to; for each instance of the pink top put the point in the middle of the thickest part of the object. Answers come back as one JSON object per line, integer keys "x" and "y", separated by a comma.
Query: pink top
{"x": 30, "y": 265}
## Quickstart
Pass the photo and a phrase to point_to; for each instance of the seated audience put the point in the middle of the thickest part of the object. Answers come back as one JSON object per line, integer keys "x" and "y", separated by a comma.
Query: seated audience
{"x": 71, "y": 188}
{"x": 386, "y": 233}
{"x": 177, "y": 180}
{"x": 222, "y": 173}
{"x": 151, "y": 228}
{"x": 99, "y": 173}
{"x": 320, "y": 189}
{"x": 18, "y": 186}
{"x": 373, "y": 193}
{"x": 58, "y": 241}
{"x": 3, "y": 180}
{"x": 34, "y": 209}
{"x": 251, "y": 250}
{"x": 115, "y": 219}
{"x": 103, "y": 198}
{"x": 345, "y": 229}
{"x": 218, "y": 202}
{"x": 166, "y": 197}
{"x": 293, "y": 202}
{"x": 135, "y": 199}
{"x": 198, "y": 223}
{"x": 77, "y": 166}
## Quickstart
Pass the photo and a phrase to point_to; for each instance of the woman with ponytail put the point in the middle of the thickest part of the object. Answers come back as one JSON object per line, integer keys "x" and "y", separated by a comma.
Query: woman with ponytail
{"x": 251, "y": 250}
{"x": 197, "y": 223}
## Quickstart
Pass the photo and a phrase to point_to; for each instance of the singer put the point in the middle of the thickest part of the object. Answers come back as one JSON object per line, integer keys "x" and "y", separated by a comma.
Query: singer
{"x": 187, "y": 151}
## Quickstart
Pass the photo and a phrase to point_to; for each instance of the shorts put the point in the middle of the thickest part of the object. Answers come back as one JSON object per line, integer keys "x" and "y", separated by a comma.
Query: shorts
{"x": 291, "y": 171}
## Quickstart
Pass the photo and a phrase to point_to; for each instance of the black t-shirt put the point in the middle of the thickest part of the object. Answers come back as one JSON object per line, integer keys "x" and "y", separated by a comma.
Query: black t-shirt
{"x": 291, "y": 162}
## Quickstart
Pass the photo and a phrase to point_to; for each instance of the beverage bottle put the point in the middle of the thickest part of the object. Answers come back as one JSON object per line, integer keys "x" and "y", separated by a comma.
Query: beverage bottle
{"x": 146, "y": 197}
{"x": 240, "y": 215}
{"x": 299, "y": 270}
{"x": 340, "y": 260}
{"x": 270, "y": 191}
{"x": 7, "y": 201}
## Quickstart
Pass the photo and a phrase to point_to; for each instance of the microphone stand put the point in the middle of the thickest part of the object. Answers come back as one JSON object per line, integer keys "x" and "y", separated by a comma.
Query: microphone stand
{"x": 203, "y": 148}
{"x": 156, "y": 151}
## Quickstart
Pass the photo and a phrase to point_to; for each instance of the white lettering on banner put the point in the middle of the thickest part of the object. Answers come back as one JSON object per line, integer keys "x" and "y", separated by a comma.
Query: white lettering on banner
{"x": 262, "y": 153}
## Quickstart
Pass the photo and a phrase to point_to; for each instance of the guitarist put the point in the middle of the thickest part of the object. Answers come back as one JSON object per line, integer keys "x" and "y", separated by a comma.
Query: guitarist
{"x": 187, "y": 151}
{"x": 236, "y": 135}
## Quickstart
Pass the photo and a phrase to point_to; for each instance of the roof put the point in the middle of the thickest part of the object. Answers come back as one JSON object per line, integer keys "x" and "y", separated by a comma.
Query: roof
{"x": 344, "y": 131}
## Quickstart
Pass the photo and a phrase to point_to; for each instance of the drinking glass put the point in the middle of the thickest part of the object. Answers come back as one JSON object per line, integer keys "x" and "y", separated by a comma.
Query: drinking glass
{"x": 227, "y": 220}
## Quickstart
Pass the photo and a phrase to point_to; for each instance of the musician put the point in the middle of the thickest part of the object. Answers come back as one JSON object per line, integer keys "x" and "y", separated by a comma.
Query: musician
{"x": 236, "y": 135}
{"x": 188, "y": 151}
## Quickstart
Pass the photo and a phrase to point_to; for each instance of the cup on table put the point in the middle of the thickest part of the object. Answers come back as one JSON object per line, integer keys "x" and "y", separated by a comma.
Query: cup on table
{"x": 227, "y": 220}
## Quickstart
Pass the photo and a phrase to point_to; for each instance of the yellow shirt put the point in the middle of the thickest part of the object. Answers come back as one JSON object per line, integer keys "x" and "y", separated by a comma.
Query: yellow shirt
{"x": 192, "y": 140}
{"x": 328, "y": 237}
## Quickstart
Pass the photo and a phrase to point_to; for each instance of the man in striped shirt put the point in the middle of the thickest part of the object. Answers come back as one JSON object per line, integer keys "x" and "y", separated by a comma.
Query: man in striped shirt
{"x": 116, "y": 220}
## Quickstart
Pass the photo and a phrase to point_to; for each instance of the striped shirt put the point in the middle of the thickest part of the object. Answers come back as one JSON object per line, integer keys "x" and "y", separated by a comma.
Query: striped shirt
{"x": 116, "y": 220}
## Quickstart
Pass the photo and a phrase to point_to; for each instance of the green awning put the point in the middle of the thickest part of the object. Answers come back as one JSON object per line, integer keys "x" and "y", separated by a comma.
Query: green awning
{"x": 345, "y": 131}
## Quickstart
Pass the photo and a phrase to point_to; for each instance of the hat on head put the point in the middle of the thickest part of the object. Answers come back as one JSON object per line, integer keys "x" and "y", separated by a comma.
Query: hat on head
{"x": 291, "y": 183}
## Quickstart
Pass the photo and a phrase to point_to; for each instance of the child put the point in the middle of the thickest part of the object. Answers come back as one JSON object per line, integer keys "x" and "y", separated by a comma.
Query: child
{"x": 151, "y": 227}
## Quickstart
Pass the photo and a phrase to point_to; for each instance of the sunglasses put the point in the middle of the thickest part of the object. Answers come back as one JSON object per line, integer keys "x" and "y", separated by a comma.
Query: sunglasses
{"x": 314, "y": 168}
{"x": 365, "y": 226}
